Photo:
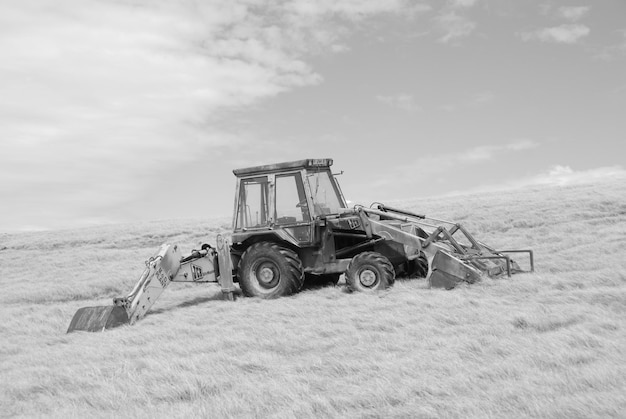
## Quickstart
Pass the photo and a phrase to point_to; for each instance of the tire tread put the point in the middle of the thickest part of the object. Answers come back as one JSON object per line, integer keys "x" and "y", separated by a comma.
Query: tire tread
{"x": 293, "y": 275}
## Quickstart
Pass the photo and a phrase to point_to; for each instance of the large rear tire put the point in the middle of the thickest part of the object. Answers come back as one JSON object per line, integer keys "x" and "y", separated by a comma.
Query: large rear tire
{"x": 267, "y": 270}
{"x": 370, "y": 271}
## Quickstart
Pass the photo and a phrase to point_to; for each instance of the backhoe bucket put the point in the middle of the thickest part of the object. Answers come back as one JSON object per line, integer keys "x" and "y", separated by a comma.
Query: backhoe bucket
{"x": 448, "y": 271}
{"x": 96, "y": 319}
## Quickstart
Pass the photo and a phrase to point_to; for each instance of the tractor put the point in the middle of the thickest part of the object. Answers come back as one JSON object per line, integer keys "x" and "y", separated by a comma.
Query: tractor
{"x": 292, "y": 225}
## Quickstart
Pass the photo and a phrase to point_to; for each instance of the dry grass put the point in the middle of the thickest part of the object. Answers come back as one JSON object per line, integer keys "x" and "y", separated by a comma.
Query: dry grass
{"x": 552, "y": 344}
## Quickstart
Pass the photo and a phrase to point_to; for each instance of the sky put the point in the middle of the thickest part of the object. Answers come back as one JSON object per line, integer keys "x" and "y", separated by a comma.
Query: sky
{"x": 121, "y": 111}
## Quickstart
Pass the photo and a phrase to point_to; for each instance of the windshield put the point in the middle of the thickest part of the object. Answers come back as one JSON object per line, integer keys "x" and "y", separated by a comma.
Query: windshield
{"x": 326, "y": 199}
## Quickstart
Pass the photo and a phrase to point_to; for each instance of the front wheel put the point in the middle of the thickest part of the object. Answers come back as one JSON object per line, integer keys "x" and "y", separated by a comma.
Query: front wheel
{"x": 267, "y": 270}
{"x": 370, "y": 271}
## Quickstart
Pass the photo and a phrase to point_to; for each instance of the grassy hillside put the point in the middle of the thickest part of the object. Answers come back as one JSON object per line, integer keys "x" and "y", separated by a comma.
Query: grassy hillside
{"x": 550, "y": 344}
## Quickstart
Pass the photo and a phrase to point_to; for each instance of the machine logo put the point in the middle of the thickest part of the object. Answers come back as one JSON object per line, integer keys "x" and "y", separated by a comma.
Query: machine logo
{"x": 196, "y": 272}
{"x": 162, "y": 277}
{"x": 353, "y": 223}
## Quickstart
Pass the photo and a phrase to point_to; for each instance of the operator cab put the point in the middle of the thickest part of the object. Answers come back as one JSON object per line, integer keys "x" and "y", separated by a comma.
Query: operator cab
{"x": 286, "y": 195}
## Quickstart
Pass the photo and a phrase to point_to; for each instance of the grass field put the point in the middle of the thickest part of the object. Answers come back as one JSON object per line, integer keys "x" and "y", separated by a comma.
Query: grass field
{"x": 549, "y": 344}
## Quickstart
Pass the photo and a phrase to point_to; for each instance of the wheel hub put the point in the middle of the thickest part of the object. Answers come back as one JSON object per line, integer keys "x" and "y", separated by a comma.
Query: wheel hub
{"x": 267, "y": 275}
{"x": 367, "y": 277}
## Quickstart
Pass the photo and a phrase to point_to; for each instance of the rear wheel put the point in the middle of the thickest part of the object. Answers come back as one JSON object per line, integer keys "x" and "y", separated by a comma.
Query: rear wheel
{"x": 369, "y": 271}
{"x": 267, "y": 270}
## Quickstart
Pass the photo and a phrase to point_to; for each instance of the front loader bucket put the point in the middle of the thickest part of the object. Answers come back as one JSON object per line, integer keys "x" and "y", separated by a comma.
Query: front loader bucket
{"x": 96, "y": 319}
{"x": 448, "y": 271}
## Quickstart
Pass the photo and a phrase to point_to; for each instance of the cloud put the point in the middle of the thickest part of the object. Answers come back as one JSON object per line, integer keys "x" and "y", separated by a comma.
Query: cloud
{"x": 573, "y": 13}
{"x": 351, "y": 9}
{"x": 563, "y": 34}
{"x": 545, "y": 9}
{"x": 463, "y": 3}
{"x": 401, "y": 101}
{"x": 573, "y": 33}
{"x": 447, "y": 108}
{"x": 452, "y": 22}
{"x": 569, "y": 33}
{"x": 477, "y": 100}
{"x": 428, "y": 165}
{"x": 558, "y": 175}
{"x": 453, "y": 26}
{"x": 484, "y": 153}
{"x": 611, "y": 52}
{"x": 564, "y": 175}
{"x": 483, "y": 98}
{"x": 339, "y": 48}
{"x": 99, "y": 98}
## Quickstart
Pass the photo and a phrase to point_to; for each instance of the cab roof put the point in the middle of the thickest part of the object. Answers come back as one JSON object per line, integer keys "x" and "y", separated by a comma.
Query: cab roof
{"x": 280, "y": 167}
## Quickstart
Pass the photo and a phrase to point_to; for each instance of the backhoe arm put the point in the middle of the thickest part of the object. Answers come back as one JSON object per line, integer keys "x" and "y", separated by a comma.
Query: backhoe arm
{"x": 164, "y": 267}
{"x": 159, "y": 272}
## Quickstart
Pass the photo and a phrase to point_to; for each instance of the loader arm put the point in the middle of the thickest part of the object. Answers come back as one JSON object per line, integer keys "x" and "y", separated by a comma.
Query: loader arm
{"x": 450, "y": 261}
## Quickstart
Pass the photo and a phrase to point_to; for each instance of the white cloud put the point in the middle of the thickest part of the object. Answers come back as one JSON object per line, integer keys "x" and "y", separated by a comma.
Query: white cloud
{"x": 483, "y": 98}
{"x": 564, "y": 175}
{"x": 521, "y": 145}
{"x": 479, "y": 99}
{"x": 611, "y": 52}
{"x": 400, "y": 101}
{"x": 454, "y": 26}
{"x": 339, "y": 48}
{"x": 557, "y": 175}
{"x": 490, "y": 152}
{"x": 447, "y": 108}
{"x": 463, "y": 3}
{"x": 428, "y": 165}
{"x": 452, "y": 20}
{"x": 564, "y": 34}
{"x": 569, "y": 33}
{"x": 99, "y": 96}
{"x": 419, "y": 8}
{"x": 573, "y": 13}
{"x": 350, "y": 8}
{"x": 545, "y": 8}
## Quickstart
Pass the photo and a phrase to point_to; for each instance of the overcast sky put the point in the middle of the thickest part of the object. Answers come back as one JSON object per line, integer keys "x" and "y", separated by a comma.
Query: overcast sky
{"x": 124, "y": 110}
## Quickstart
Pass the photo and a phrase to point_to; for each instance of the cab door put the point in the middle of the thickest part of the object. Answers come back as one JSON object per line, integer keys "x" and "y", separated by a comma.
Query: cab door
{"x": 292, "y": 211}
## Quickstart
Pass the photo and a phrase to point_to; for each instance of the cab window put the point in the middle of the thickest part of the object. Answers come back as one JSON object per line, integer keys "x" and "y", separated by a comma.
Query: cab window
{"x": 291, "y": 203}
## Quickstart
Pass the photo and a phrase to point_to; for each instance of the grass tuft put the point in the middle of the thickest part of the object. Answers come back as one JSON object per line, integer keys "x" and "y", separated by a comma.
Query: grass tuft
{"x": 548, "y": 344}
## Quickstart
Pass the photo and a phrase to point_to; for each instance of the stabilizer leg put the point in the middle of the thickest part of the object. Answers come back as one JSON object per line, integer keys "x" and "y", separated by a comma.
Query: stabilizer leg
{"x": 226, "y": 268}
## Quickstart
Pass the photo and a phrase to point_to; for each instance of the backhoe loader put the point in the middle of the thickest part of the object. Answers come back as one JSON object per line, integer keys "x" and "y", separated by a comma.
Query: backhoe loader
{"x": 292, "y": 224}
